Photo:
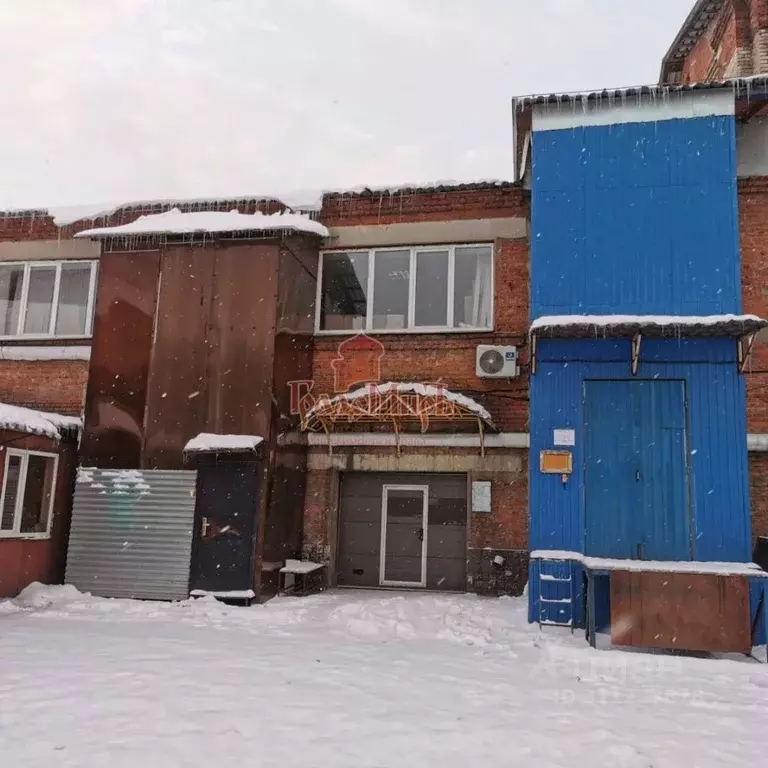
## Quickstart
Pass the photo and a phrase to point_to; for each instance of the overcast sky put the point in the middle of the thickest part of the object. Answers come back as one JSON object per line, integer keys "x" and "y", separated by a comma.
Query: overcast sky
{"x": 112, "y": 100}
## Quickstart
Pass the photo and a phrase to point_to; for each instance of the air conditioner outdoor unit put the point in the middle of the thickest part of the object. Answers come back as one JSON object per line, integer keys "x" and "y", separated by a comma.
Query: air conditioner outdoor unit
{"x": 496, "y": 362}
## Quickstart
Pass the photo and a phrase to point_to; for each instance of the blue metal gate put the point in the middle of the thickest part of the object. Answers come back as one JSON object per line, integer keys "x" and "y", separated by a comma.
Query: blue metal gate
{"x": 636, "y": 470}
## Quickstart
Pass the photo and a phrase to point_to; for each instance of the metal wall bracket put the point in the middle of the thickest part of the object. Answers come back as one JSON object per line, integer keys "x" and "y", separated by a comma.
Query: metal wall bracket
{"x": 745, "y": 346}
{"x": 636, "y": 340}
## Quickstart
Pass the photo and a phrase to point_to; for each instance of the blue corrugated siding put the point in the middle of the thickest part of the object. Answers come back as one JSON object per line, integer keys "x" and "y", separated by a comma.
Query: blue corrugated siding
{"x": 637, "y": 218}
{"x": 719, "y": 493}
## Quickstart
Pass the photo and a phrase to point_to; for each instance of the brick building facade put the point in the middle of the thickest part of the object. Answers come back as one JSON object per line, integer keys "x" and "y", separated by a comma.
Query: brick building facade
{"x": 427, "y": 220}
{"x": 719, "y": 39}
{"x": 379, "y": 240}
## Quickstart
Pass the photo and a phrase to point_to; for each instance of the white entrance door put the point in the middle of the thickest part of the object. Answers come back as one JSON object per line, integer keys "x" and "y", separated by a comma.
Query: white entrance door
{"x": 403, "y": 560}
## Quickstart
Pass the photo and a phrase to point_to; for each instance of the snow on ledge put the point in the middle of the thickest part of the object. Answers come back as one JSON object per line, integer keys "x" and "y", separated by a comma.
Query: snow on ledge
{"x": 726, "y": 324}
{"x": 206, "y": 442}
{"x": 607, "y": 320}
{"x": 233, "y": 594}
{"x": 33, "y": 422}
{"x": 174, "y": 222}
{"x": 405, "y": 387}
{"x": 300, "y": 566}
{"x": 673, "y": 566}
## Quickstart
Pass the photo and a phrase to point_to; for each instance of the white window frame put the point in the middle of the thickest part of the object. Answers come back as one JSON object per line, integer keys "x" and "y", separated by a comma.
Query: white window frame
{"x": 410, "y": 329}
{"x": 383, "y": 581}
{"x": 24, "y": 455}
{"x": 51, "y": 334}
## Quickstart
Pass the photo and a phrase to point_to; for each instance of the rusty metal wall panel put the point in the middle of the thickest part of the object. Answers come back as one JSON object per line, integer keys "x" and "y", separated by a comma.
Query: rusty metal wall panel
{"x": 213, "y": 356}
{"x": 241, "y": 339}
{"x": 295, "y": 316}
{"x": 693, "y": 612}
{"x": 131, "y": 533}
{"x": 176, "y": 401}
{"x": 122, "y": 338}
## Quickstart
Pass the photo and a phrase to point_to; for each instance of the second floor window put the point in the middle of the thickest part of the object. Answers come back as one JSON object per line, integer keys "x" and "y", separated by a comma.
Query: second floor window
{"x": 47, "y": 299}
{"x": 424, "y": 289}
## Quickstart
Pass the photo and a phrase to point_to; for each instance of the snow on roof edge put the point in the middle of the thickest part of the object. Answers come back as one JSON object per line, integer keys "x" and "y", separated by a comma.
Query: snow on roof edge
{"x": 738, "y": 84}
{"x": 549, "y": 321}
{"x": 296, "y": 200}
{"x": 208, "y": 442}
{"x": 664, "y": 566}
{"x": 20, "y": 419}
{"x": 176, "y": 222}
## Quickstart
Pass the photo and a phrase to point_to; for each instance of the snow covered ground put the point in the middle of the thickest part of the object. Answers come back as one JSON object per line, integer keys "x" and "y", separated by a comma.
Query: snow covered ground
{"x": 351, "y": 680}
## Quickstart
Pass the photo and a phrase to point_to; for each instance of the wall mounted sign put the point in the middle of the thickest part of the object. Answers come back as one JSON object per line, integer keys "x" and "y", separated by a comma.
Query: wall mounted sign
{"x": 481, "y": 496}
{"x": 565, "y": 437}
{"x": 556, "y": 462}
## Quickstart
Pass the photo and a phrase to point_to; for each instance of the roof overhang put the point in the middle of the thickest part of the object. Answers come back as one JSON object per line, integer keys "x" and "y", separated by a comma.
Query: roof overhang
{"x": 650, "y": 326}
{"x": 754, "y": 88}
{"x": 742, "y": 328}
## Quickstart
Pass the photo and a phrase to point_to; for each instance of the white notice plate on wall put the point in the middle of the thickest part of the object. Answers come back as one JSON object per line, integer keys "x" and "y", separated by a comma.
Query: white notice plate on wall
{"x": 565, "y": 437}
{"x": 481, "y": 496}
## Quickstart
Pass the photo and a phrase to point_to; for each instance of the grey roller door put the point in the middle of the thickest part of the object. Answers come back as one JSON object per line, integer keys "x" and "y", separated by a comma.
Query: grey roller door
{"x": 360, "y": 528}
{"x": 131, "y": 533}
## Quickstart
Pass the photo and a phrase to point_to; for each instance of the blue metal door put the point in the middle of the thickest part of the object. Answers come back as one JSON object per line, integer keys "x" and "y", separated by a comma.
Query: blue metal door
{"x": 636, "y": 472}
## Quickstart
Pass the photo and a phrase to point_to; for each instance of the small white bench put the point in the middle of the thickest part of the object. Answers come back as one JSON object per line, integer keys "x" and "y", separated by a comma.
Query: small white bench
{"x": 297, "y": 571}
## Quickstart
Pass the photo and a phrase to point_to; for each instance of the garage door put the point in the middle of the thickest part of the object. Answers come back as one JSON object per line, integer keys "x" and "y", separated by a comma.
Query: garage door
{"x": 403, "y": 530}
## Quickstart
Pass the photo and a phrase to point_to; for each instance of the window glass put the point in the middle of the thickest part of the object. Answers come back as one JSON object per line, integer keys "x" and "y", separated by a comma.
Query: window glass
{"x": 11, "y": 281}
{"x": 344, "y": 292}
{"x": 39, "y": 299}
{"x": 431, "y": 308}
{"x": 71, "y": 317}
{"x": 390, "y": 289}
{"x": 38, "y": 487}
{"x": 472, "y": 288}
{"x": 12, "y": 473}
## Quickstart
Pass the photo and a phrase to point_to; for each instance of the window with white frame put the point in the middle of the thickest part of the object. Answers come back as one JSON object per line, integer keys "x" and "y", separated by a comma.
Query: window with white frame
{"x": 427, "y": 289}
{"x": 47, "y": 299}
{"x": 26, "y": 506}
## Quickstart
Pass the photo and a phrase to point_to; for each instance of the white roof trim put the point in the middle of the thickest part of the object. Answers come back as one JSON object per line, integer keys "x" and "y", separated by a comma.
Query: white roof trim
{"x": 640, "y": 108}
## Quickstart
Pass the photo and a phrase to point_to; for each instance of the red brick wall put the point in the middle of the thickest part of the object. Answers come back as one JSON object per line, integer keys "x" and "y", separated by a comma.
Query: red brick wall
{"x": 758, "y": 480}
{"x": 753, "y": 230}
{"x": 27, "y": 225}
{"x": 753, "y": 226}
{"x": 732, "y": 33}
{"x": 48, "y": 385}
{"x": 38, "y": 225}
{"x": 507, "y": 525}
{"x": 23, "y": 561}
{"x": 424, "y": 205}
{"x": 711, "y": 57}
{"x": 450, "y": 358}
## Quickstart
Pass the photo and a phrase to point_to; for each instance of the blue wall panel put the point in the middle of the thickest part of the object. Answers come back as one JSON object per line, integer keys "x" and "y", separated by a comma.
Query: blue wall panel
{"x": 716, "y": 419}
{"x": 637, "y": 218}
{"x": 636, "y": 469}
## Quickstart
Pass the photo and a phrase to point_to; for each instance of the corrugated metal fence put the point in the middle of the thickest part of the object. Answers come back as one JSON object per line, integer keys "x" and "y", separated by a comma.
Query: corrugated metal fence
{"x": 131, "y": 533}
